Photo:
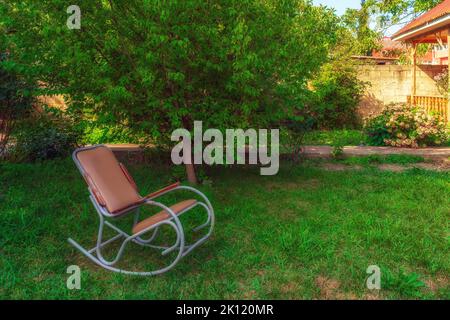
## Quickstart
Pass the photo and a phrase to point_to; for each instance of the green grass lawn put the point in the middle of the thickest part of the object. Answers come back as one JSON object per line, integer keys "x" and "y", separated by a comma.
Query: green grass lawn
{"x": 374, "y": 159}
{"x": 344, "y": 137}
{"x": 306, "y": 233}
{"x": 332, "y": 137}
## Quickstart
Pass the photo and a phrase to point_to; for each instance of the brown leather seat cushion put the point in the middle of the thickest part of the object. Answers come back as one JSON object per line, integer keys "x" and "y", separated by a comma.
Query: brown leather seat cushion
{"x": 105, "y": 173}
{"x": 163, "y": 215}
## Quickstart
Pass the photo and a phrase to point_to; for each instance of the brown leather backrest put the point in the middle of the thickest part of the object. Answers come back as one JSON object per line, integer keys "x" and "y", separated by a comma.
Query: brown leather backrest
{"x": 107, "y": 180}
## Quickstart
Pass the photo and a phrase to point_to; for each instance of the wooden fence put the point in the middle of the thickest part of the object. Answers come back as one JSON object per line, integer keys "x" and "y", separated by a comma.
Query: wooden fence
{"x": 432, "y": 104}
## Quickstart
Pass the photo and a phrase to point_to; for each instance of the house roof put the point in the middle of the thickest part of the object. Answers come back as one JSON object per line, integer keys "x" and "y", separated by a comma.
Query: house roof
{"x": 439, "y": 11}
{"x": 389, "y": 48}
{"x": 389, "y": 44}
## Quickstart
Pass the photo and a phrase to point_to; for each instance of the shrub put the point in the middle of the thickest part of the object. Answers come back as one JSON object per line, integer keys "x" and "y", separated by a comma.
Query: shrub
{"x": 338, "y": 92}
{"x": 402, "y": 125}
{"x": 15, "y": 102}
{"x": 348, "y": 137}
{"x": 156, "y": 66}
{"x": 293, "y": 134}
{"x": 338, "y": 149}
{"x": 376, "y": 131}
{"x": 404, "y": 283}
{"x": 97, "y": 134}
{"x": 43, "y": 137}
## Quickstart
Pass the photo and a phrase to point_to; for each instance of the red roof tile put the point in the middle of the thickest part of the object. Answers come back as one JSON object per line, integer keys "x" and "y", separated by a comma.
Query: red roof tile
{"x": 440, "y": 10}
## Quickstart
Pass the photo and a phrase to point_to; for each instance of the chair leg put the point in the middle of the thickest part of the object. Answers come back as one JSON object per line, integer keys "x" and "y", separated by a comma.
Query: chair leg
{"x": 209, "y": 222}
{"x": 110, "y": 268}
{"x": 99, "y": 260}
{"x": 179, "y": 245}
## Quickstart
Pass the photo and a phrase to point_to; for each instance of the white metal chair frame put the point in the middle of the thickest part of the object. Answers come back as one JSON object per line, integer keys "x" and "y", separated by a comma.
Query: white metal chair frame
{"x": 95, "y": 254}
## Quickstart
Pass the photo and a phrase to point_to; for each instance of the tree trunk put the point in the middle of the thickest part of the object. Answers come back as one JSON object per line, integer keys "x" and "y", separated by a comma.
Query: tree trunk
{"x": 190, "y": 171}
{"x": 190, "y": 167}
{"x": 189, "y": 163}
{"x": 6, "y": 126}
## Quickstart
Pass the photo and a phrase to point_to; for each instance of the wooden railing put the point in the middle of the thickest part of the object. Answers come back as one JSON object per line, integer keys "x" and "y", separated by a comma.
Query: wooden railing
{"x": 432, "y": 104}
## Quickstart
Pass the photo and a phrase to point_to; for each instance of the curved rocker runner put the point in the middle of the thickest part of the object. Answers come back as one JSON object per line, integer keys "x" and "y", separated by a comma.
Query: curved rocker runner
{"x": 114, "y": 194}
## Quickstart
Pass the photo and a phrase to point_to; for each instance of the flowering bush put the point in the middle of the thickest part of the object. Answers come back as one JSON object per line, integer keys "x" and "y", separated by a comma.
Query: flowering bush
{"x": 402, "y": 125}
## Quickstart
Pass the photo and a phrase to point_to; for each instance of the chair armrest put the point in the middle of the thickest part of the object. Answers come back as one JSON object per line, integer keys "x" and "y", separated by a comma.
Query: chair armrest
{"x": 162, "y": 191}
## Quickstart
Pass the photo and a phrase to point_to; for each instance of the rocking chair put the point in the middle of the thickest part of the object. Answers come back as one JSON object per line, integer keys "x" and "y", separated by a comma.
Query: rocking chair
{"x": 114, "y": 194}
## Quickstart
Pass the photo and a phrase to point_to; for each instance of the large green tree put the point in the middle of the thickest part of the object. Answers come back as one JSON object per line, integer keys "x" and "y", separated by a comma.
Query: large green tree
{"x": 399, "y": 12}
{"x": 355, "y": 28}
{"x": 156, "y": 65}
{"x": 159, "y": 65}
{"x": 387, "y": 13}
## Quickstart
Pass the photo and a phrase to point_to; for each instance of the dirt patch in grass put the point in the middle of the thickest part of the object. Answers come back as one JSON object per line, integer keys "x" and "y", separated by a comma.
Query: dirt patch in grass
{"x": 433, "y": 166}
{"x": 436, "y": 166}
{"x": 310, "y": 183}
{"x": 289, "y": 288}
{"x": 438, "y": 283}
{"x": 392, "y": 164}
{"x": 372, "y": 296}
{"x": 282, "y": 186}
{"x": 392, "y": 167}
{"x": 249, "y": 295}
{"x": 247, "y": 292}
{"x": 289, "y": 215}
{"x": 330, "y": 289}
{"x": 330, "y": 166}
{"x": 302, "y": 184}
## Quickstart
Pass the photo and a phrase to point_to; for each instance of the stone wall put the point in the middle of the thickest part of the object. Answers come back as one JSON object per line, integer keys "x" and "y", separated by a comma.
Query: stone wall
{"x": 393, "y": 83}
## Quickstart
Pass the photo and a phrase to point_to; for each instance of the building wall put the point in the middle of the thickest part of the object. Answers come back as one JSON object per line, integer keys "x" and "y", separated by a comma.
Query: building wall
{"x": 393, "y": 83}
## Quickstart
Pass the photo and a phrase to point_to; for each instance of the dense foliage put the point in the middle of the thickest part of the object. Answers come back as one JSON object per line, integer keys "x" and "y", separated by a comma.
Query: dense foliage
{"x": 153, "y": 66}
{"x": 338, "y": 92}
{"x": 16, "y": 101}
{"x": 43, "y": 137}
{"x": 375, "y": 17}
{"x": 398, "y": 12}
{"x": 337, "y": 88}
{"x": 406, "y": 126}
{"x": 293, "y": 135}
{"x": 93, "y": 133}
{"x": 357, "y": 23}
